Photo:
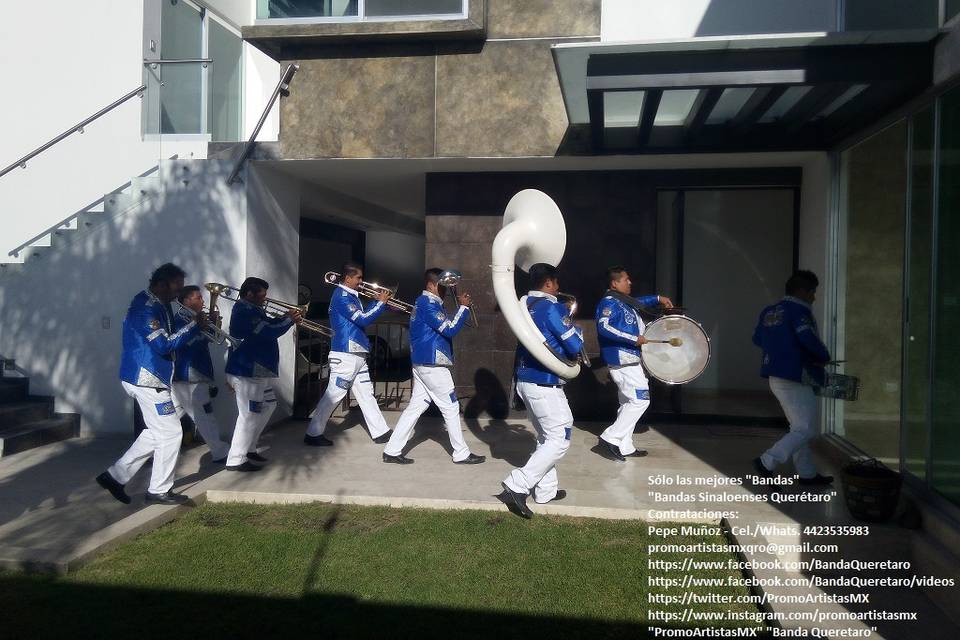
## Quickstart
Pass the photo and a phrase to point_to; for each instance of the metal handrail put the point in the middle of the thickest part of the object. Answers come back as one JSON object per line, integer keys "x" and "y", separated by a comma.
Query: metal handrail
{"x": 180, "y": 61}
{"x": 282, "y": 85}
{"x": 77, "y": 128}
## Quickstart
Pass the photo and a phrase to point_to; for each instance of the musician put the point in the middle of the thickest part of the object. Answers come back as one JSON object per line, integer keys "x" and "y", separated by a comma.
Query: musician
{"x": 793, "y": 361}
{"x": 542, "y": 392}
{"x": 348, "y": 360}
{"x": 193, "y": 375}
{"x": 251, "y": 368}
{"x": 431, "y": 352}
{"x": 620, "y": 334}
{"x": 146, "y": 369}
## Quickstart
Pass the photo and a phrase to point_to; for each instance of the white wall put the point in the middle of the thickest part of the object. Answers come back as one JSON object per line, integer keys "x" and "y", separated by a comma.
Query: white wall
{"x": 61, "y": 316}
{"x": 626, "y": 20}
{"x": 273, "y": 253}
{"x": 89, "y": 55}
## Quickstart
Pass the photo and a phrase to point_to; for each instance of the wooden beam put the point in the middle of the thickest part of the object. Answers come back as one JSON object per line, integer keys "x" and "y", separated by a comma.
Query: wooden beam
{"x": 756, "y": 105}
{"x": 651, "y": 103}
{"x": 595, "y": 107}
{"x": 706, "y": 100}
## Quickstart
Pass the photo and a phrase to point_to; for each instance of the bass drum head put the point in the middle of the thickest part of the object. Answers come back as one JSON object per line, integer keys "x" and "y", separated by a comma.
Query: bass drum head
{"x": 675, "y": 365}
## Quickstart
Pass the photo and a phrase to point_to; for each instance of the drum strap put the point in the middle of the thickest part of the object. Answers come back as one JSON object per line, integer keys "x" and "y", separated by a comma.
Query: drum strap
{"x": 627, "y": 300}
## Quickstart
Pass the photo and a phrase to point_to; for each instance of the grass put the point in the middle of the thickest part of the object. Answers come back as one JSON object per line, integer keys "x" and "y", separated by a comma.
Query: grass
{"x": 231, "y": 570}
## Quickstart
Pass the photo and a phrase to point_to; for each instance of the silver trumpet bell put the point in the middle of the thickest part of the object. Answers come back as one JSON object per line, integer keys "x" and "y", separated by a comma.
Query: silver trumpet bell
{"x": 451, "y": 279}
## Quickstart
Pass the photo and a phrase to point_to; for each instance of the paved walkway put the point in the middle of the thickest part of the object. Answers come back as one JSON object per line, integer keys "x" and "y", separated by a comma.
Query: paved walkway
{"x": 53, "y": 516}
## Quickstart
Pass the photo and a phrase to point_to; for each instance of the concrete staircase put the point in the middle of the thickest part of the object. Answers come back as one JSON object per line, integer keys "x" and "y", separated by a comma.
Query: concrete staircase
{"x": 129, "y": 196}
{"x": 29, "y": 421}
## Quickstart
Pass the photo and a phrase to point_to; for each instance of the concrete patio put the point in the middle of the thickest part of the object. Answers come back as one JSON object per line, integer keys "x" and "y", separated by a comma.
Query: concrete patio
{"x": 53, "y": 517}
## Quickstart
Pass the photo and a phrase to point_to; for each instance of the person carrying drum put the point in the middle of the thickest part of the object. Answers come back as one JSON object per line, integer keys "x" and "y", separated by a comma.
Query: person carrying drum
{"x": 620, "y": 333}
{"x": 793, "y": 361}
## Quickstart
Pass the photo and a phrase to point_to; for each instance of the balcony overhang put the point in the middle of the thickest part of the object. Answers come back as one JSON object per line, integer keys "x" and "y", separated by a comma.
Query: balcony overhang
{"x": 798, "y": 92}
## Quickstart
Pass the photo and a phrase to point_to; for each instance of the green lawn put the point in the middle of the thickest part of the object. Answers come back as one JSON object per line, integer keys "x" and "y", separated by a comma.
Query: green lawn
{"x": 345, "y": 571}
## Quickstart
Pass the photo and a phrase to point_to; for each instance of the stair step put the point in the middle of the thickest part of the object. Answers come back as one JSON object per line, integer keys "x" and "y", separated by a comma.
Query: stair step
{"x": 33, "y": 253}
{"x": 145, "y": 187}
{"x": 116, "y": 202}
{"x": 37, "y": 433}
{"x": 14, "y": 414}
{"x": 13, "y": 390}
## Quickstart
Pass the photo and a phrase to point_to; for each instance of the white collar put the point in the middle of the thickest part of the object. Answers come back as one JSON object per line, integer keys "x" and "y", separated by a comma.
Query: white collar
{"x": 346, "y": 288}
{"x": 797, "y": 300}
{"x": 542, "y": 294}
{"x": 433, "y": 296}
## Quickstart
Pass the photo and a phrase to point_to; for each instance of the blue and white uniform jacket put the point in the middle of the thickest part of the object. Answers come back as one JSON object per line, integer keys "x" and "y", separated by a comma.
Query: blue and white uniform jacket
{"x": 561, "y": 336}
{"x": 348, "y": 320}
{"x": 193, "y": 362}
{"x": 258, "y": 355}
{"x": 618, "y": 328}
{"x": 432, "y": 332}
{"x": 150, "y": 342}
{"x": 787, "y": 333}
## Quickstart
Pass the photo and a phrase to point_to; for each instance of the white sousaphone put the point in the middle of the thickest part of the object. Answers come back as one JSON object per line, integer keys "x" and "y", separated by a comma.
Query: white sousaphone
{"x": 533, "y": 231}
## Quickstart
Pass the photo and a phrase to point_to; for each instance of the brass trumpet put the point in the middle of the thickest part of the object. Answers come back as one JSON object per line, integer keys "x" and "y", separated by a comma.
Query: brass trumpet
{"x": 451, "y": 279}
{"x": 273, "y": 308}
{"x": 211, "y": 332}
{"x": 371, "y": 290}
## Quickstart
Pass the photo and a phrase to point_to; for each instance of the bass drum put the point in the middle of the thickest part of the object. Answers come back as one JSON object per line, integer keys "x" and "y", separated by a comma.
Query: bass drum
{"x": 680, "y": 364}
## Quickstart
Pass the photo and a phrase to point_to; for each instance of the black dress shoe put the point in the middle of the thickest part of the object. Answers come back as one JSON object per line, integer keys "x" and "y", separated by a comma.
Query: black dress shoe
{"x": 816, "y": 481}
{"x": 609, "y": 451}
{"x": 761, "y": 469}
{"x": 384, "y": 439}
{"x": 400, "y": 459}
{"x": 639, "y": 453}
{"x": 166, "y": 498}
{"x": 471, "y": 459}
{"x": 516, "y": 502}
{"x": 106, "y": 481}
{"x": 246, "y": 466}
{"x": 561, "y": 494}
{"x": 256, "y": 457}
{"x": 317, "y": 441}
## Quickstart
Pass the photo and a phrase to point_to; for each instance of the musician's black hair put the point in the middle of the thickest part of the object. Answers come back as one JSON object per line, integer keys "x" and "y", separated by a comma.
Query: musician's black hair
{"x": 540, "y": 273}
{"x": 801, "y": 281}
{"x": 350, "y": 268}
{"x": 187, "y": 291}
{"x": 431, "y": 275}
{"x": 165, "y": 273}
{"x": 253, "y": 284}
{"x": 614, "y": 273}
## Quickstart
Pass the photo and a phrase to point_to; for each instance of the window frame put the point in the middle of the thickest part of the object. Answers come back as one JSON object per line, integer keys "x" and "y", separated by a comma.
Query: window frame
{"x": 363, "y": 17}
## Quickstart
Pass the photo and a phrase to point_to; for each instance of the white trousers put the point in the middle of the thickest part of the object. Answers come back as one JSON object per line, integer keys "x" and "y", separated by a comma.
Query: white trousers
{"x": 160, "y": 439}
{"x": 800, "y": 406}
{"x": 193, "y": 399}
{"x": 430, "y": 384}
{"x": 550, "y": 413}
{"x": 634, "y": 392}
{"x": 348, "y": 371}
{"x": 256, "y": 402}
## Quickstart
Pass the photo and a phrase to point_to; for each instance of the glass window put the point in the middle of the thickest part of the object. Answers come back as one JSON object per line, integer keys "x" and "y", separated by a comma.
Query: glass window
{"x": 372, "y": 9}
{"x": 377, "y": 8}
{"x": 916, "y": 392}
{"x": 870, "y": 291}
{"x": 306, "y": 8}
{"x": 870, "y": 15}
{"x": 945, "y": 410}
{"x": 225, "y": 49}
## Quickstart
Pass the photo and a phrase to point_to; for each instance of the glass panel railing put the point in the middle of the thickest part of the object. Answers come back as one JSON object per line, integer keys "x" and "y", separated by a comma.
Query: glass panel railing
{"x": 391, "y": 8}
{"x": 226, "y": 83}
{"x": 181, "y": 98}
{"x": 40, "y": 204}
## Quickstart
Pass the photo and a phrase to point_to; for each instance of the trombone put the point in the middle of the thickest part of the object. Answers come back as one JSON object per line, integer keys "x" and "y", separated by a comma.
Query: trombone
{"x": 273, "y": 308}
{"x": 211, "y": 332}
{"x": 372, "y": 290}
{"x": 451, "y": 279}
